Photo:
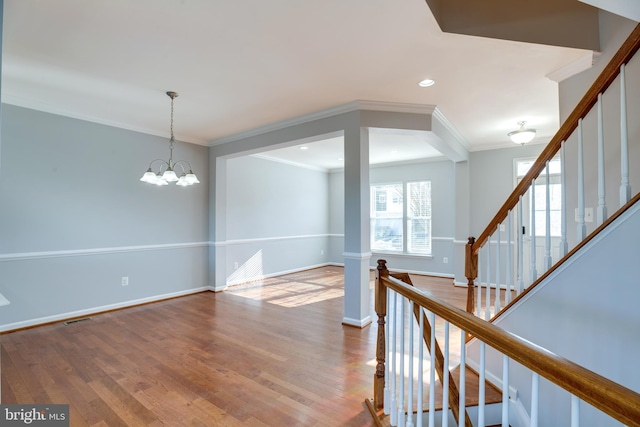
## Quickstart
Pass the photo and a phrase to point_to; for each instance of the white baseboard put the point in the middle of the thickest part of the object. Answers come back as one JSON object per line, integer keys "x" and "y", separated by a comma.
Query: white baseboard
{"x": 95, "y": 310}
{"x": 358, "y": 323}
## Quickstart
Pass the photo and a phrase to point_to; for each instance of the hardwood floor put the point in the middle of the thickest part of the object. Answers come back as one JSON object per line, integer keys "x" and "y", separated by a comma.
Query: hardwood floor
{"x": 262, "y": 354}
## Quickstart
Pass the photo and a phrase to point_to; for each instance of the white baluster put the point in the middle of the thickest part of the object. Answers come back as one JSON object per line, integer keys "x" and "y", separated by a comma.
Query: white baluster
{"x": 386, "y": 393}
{"x": 419, "y": 408}
{"x": 507, "y": 297}
{"x": 487, "y": 305}
{"x": 445, "y": 380}
{"x": 401, "y": 370}
{"x": 532, "y": 216}
{"x": 547, "y": 213}
{"x": 564, "y": 245}
{"x": 479, "y": 282}
{"x": 575, "y": 411}
{"x": 520, "y": 249}
{"x": 505, "y": 391}
{"x": 463, "y": 379}
{"x": 498, "y": 304}
{"x": 393, "y": 317}
{"x": 432, "y": 372}
{"x": 535, "y": 385}
{"x": 582, "y": 228}
{"x": 625, "y": 188}
{"x": 409, "y": 422}
{"x": 481, "y": 385}
{"x": 601, "y": 214}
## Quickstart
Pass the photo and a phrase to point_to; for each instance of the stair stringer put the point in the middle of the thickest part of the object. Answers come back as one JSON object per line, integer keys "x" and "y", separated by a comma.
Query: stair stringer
{"x": 585, "y": 311}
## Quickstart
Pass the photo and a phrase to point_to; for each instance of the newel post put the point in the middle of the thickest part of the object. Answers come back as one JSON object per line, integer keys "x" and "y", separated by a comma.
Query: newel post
{"x": 381, "y": 311}
{"x": 471, "y": 272}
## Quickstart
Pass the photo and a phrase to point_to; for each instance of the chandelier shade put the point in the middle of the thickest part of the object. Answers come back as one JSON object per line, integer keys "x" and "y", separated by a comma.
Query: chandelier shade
{"x": 166, "y": 171}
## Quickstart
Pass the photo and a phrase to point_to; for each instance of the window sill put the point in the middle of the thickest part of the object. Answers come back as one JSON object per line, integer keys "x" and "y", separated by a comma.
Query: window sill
{"x": 402, "y": 254}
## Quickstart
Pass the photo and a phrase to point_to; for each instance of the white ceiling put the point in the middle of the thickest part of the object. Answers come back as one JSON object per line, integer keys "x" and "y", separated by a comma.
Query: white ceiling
{"x": 241, "y": 65}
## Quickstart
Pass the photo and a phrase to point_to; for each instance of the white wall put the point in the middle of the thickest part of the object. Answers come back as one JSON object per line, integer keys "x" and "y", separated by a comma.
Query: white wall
{"x": 75, "y": 219}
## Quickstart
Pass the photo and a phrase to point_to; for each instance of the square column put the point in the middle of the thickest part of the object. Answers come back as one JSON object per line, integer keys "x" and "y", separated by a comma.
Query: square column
{"x": 357, "y": 255}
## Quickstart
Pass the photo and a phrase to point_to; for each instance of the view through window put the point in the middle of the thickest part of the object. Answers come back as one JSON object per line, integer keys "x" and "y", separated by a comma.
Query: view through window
{"x": 399, "y": 223}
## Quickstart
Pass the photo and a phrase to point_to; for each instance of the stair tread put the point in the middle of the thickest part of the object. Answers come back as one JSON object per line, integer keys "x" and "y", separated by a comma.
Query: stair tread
{"x": 472, "y": 383}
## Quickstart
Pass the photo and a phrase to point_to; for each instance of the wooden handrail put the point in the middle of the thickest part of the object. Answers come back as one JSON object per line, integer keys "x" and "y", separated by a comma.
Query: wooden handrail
{"x": 607, "y": 396}
{"x": 604, "y": 80}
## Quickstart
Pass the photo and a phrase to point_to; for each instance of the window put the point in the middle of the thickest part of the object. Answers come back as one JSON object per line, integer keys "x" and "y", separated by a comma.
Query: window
{"x": 396, "y": 225}
{"x": 540, "y": 194}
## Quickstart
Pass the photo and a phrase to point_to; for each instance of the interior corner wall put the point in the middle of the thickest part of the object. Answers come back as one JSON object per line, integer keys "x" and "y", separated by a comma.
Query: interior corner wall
{"x": 75, "y": 219}
{"x": 277, "y": 218}
{"x": 336, "y": 217}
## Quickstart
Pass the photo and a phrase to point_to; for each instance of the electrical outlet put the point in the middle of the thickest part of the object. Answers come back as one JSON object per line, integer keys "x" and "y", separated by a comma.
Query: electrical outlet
{"x": 588, "y": 215}
{"x": 321, "y": 251}
{"x": 503, "y": 227}
{"x": 235, "y": 265}
{"x": 125, "y": 281}
{"x": 445, "y": 260}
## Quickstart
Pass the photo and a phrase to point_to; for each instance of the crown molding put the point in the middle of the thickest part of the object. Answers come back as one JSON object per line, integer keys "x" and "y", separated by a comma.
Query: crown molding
{"x": 451, "y": 128}
{"x": 579, "y": 65}
{"x": 52, "y": 109}
{"x": 392, "y": 107}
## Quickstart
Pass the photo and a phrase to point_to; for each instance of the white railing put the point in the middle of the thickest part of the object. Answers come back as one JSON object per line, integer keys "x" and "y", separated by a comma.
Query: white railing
{"x": 404, "y": 348}
{"x": 586, "y": 147}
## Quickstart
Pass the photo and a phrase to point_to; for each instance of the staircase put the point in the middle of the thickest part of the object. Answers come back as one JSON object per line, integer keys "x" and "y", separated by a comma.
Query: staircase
{"x": 550, "y": 342}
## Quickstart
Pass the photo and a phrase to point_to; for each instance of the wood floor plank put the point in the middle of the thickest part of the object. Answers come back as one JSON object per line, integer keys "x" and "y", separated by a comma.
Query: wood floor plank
{"x": 272, "y": 353}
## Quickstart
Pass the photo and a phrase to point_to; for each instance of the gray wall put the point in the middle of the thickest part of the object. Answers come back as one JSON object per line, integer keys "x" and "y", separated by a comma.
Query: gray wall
{"x": 492, "y": 180}
{"x": 75, "y": 218}
{"x": 277, "y": 218}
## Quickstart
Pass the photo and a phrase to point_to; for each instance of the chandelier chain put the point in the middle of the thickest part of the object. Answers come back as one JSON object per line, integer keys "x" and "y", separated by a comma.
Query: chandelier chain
{"x": 172, "y": 138}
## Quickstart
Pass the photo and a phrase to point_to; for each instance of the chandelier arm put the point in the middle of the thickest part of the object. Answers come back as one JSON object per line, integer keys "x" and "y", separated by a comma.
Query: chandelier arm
{"x": 159, "y": 160}
{"x": 183, "y": 161}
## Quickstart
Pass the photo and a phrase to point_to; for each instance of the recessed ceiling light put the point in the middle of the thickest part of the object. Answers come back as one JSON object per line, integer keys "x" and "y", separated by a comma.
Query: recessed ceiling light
{"x": 340, "y": 159}
{"x": 426, "y": 83}
{"x": 304, "y": 147}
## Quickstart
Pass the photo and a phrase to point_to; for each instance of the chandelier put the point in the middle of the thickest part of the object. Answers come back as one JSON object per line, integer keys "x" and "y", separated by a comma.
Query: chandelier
{"x": 522, "y": 135}
{"x": 166, "y": 172}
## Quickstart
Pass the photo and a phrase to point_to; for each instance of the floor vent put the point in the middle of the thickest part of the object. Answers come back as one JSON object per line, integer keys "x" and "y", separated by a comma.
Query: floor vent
{"x": 71, "y": 322}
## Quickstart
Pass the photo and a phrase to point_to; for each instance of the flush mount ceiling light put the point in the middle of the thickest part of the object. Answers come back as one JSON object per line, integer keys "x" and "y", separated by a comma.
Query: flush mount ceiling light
{"x": 426, "y": 83}
{"x": 166, "y": 172}
{"x": 522, "y": 135}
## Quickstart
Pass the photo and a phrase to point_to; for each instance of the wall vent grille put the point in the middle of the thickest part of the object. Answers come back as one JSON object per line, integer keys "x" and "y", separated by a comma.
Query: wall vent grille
{"x": 71, "y": 322}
